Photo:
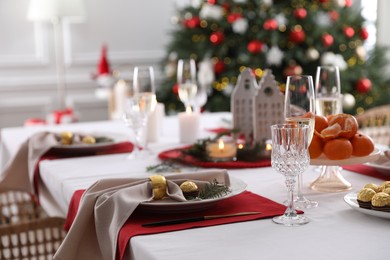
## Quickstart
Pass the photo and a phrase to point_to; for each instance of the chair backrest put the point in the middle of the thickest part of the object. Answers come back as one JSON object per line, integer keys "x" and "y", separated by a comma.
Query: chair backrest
{"x": 35, "y": 239}
{"x": 18, "y": 206}
{"x": 375, "y": 122}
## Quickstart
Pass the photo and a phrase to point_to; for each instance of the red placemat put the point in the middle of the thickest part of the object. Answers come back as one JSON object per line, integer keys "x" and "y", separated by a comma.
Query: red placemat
{"x": 178, "y": 155}
{"x": 366, "y": 170}
{"x": 53, "y": 154}
{"x": 243, "y": 202}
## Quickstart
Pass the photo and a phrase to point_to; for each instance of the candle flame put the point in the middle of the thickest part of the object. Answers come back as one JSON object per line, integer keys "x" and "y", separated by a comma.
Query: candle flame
{"x": 188, "y": 110}
{"x": 240, "y": 146}
{"x": 221, "y": 145}
{"x": 268, "y": 147}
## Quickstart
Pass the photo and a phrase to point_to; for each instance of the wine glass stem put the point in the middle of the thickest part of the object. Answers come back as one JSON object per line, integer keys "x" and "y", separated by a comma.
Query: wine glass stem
{"x": 290, "y": 211}
{"x": 300, "y": 185}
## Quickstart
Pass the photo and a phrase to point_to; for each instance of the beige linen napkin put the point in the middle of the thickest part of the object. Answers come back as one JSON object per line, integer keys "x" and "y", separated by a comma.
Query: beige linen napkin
{"x": 19, "y": 172}
{"x": 106, "y": 206}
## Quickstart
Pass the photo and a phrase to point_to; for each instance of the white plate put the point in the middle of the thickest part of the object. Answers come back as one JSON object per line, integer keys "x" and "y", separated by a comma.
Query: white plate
{"x": 350, "y": 199}
{"x": 170, "y": 206}
{"x": 382, "y": 164}
{"x": 322, "y": 160}
{"x": 115, "y": 139}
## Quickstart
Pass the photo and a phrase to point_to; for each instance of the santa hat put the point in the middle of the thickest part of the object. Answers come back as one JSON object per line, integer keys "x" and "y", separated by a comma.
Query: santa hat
{"x": 103, "y": 65}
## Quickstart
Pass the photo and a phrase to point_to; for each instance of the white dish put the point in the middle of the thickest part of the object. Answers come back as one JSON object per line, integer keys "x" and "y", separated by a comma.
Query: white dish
{"x": 350, "y": 199}
{"x": 170, "y": 206}
{"x": 322, "y": 160}
{"x": 114, "y": 138}
{"x": 382, "y": 164}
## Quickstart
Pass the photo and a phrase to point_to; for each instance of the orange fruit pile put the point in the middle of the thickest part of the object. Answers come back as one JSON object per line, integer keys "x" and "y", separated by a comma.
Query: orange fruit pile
{"x": 337, "y": 137}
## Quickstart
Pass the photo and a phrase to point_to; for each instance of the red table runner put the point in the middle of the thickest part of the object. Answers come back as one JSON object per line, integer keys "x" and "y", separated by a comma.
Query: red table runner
{"x": 178, "y": 155}
{"x": 244, "y": 202}
{"x": 55, "y": 153}
{"x": 366, "y": 170}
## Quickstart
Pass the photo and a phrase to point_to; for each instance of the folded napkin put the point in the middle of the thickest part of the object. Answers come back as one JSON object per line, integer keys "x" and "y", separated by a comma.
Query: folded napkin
{"x": 107, "y": 205}
{"x": 366, "y": 170}
{"x": 22, "y": 172}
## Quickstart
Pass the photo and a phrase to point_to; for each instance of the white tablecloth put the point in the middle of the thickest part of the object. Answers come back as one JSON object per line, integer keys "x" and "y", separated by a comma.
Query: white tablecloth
{"x": 335, "y": 232}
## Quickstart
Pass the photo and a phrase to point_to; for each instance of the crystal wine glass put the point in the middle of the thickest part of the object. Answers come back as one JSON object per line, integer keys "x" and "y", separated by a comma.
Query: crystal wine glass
{"x": 290, "y": 157}
{"x": 140, "y": 105}
{"x": 299, "y": 109}
{"x": 186, "y": 79}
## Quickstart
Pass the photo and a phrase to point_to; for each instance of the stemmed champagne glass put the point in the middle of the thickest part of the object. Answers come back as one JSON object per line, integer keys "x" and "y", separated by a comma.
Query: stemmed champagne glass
{"x": 290, "y": 157}
{"x": 327, "y": 89}
{"x": 186, "y": 80}
{"x": 299, "y": 109}
{"x": 328, "y": 102}
{"x": 140, "y": 105}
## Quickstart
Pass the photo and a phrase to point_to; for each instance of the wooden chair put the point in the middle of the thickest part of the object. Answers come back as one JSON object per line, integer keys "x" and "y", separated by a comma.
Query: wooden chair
{"x": 18, "y": 206}
{"x": 35, "y": 239}
{"x": 375, "y": 122}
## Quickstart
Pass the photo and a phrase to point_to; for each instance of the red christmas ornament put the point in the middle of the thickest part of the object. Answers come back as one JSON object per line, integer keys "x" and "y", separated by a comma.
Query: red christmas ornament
{"x": 292, "y": 70}
{"x": 297, "y": 36}
{"x": 219, "y": 67}
{"x": 363, "y": 85}
{"x": 103, "y": 67}
{"x": 327, "y": 40}
{"x": 255, "y": 46}
{"x": 231, "y": 18}
{"x": 212, "y": 2}
{"x": 217, "y": 38}
{"x": 300, "y": 13}
{"x": 364, "y": 33}
{"x": 175, "y": 89}
{"x": 191, "y": 23}
{"x": 334, "y": 15}
{"x": 349, "y": 32}
{"x": 348, "y": 3}
{"x": 270, "y": 25}
{"x": 225, "y": 7}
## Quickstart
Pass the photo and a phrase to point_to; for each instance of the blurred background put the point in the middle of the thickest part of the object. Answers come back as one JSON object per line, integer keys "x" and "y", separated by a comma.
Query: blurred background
{"x": 125, "y": 33}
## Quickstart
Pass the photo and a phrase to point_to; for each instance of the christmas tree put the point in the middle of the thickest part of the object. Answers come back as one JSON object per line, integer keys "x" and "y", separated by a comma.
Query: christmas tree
{"x": 288, "y": 37}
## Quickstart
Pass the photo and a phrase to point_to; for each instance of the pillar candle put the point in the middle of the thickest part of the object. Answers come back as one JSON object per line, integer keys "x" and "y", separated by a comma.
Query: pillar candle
{"x": 189, "y": 125}
{"x": 155, "y": 120}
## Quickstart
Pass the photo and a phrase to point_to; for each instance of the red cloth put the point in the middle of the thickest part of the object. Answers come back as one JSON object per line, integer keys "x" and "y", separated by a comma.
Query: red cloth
{"x": 244, "y": 202}
{"x": 218, "y": 130}
{"x": 55, "y": 153}
{"x": 177, "y": 155}
{"x": 366, "y": 170}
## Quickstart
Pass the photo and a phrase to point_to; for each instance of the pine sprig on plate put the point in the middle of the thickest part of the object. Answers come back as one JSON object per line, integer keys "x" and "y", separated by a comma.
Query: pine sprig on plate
{"x": 214, "y": 189}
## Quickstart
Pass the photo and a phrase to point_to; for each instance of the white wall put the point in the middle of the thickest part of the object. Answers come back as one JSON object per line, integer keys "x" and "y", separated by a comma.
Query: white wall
{"x": 383, "y": 22}
{"x": 134, "y": 30}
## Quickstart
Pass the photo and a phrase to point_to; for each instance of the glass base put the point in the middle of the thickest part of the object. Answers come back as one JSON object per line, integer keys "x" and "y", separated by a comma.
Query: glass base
{"x": 297, "y": 220}
{"x": 330, "y": 180}
{"x": 304, "y": 203}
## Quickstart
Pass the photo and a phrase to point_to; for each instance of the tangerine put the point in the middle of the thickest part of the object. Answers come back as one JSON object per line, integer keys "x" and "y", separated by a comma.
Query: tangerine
{"x": 338, "y": 149}
{"x": 331, "y": 132}
{"x": 348, "y": 123}
{"x": 321, "y": 122}
{"x": 315, "y": 148}
{"x": 362, "y": 145}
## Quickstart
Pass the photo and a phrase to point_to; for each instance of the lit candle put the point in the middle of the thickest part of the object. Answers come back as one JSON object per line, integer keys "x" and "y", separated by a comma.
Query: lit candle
{"x": 189, "y": 125}
{"x": 268, "y": 149}
{"x": 222, "y": 150}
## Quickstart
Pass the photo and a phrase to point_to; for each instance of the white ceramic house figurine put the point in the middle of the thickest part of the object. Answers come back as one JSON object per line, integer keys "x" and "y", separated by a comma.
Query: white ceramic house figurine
{"x": 242, "y": 104}
{"x": 268, "y": 107}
